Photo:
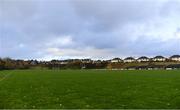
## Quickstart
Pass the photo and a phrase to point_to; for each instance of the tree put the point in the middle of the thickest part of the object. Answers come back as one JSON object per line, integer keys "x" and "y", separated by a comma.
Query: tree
{"x": 1, "y": 64}
{"x": 9, "y": 63}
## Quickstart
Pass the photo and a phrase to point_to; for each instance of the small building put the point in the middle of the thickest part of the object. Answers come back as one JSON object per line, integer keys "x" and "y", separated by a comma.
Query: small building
{"x": 159, "y": 59}
{"x": 97, "y": 61}
{"x": 63, "y": 62}
{"x": 86, "y": 60}
{"x": 143, "y": 59}
{"x": 175, "y": 58}
{"x": 33, "y": 62}
{"x": 129, "y": 60}
{"x": 76, "y": 60}
{"x": 116, "y": 60}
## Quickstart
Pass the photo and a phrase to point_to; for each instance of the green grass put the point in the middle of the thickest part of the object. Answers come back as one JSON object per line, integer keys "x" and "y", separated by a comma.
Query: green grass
{"x": 89, "y": 89}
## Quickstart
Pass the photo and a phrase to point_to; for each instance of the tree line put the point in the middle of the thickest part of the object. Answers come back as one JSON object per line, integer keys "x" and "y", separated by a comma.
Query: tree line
{"x": 10, "y": 64}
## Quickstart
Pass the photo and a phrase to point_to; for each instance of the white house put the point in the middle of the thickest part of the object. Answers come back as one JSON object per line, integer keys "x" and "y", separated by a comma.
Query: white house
{"x": 86, "y": 61}
{"x": 97, "y": 61}
{"x": 175, "y": 58}
{"x": 63, "y": 62}
{"x": 129, "y": 60}
{"x": 33, "y": 62}
{"x": 143, "y": 59}
{"x": 116, "y": 60}
{"x": 159, "y": 58}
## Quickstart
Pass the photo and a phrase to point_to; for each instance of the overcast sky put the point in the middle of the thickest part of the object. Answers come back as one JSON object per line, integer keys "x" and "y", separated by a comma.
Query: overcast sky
{"x": 98, "y": 29}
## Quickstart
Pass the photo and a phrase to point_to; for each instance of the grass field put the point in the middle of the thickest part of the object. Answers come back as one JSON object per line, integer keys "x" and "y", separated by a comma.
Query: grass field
{"x": 89, "y": 89}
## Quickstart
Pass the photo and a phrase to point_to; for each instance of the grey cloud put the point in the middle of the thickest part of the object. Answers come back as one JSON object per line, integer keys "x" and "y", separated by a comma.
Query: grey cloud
{"x": 110, "y": 14}
{"x": 122, "y": 28}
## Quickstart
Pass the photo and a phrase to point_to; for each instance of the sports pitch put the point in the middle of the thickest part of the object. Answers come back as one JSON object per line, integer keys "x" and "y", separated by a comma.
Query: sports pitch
{"x": 86, "y": 89}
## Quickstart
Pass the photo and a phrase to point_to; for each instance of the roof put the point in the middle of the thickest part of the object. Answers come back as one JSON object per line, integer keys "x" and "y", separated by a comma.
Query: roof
{"x": 175, "y": 56}
{"x": 85, "y": 59}
{"x": 129, "y": 58}
{"x": 143, "y": 57}
{"x": 116, "y": 59}
{"x": 159, "y": 57}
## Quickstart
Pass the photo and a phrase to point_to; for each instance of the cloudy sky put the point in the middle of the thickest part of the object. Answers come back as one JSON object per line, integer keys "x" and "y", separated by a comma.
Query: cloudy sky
{"x": 98, "y": 29}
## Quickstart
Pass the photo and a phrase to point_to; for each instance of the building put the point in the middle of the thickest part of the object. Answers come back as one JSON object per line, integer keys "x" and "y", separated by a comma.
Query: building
{"x": 129, "y": 60}
{"x": 86, "y": 60}
{"x": 116, "y": 60}
{"x": 143, "y": 59}
{"x": 159, "y": 59}
{"x": 64, "y": 62}
{"x": 33, "y": 62}
{"x": 175, "y": 58}
{"x": 97, "y": 61}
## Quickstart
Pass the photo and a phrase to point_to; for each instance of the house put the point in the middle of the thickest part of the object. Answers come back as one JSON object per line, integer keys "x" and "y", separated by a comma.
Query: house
{"x": 86, "y": 60}
{"x": 33, "y": 62}
{"x": 159, "y": 59}
{"x": 76, "y": 60}
{"x": 64, "y": 62}
{"x": 129, "y": 60}
{"x": 175, "y": 58}
{"x": 116, "y": 60}
{"x": 97, "y": 61}
{"x": 143, "y": 59}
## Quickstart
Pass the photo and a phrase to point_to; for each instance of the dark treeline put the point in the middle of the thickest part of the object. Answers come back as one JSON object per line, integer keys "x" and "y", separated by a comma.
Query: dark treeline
{"x": 10, "y": 64}
{"x": 158, "y": 62}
